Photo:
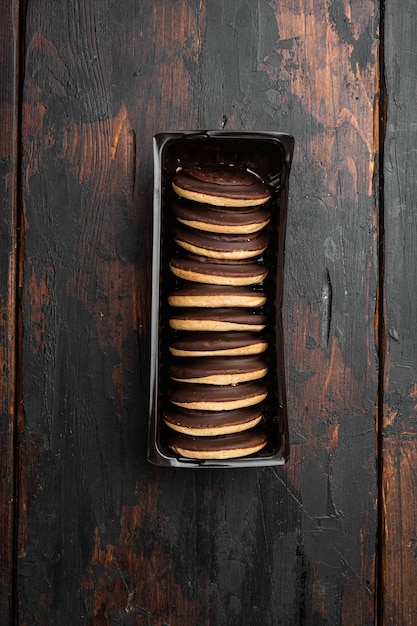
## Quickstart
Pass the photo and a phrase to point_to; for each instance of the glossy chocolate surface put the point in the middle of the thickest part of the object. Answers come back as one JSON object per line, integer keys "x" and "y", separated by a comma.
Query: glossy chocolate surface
{"x": 226, "y": 314}
{"x": 199, "y": 341}
{"x": 208, "y": 419}
{"x": 216, "y": 267}
{"x": 195, "y": 367}
{"x": 192, "y": 392}
{"x": 240, "y": 441}
{"x": 221, "y": 242}
{"x": 226, "y": 181}
{"x": 200, "y": 289}
{"x": 208, "y": 214}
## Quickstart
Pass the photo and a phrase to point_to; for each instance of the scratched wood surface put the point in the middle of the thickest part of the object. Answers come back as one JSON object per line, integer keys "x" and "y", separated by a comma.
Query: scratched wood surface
{"x": 8, "y": 291}
{"x": 102, "y": 536}
{"x": 399, "y": 476}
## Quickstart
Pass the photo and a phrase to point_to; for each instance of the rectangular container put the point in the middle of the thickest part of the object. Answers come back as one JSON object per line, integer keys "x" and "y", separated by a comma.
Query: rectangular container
{"x": 269, "y": 154}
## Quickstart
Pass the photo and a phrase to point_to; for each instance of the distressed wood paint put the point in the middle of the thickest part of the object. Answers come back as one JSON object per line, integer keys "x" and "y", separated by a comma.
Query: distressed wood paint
{"x": 399, "y": 482}
{"x": 103, "y": 537}
{"x": 9, "y": 164}
{"x": 331, "y": 354}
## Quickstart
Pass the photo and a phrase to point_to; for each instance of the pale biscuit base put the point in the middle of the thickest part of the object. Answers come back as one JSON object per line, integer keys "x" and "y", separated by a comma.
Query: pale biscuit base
{"x": 244, "y": 444}
{"x": 221, "y": 254}
{"x": 217, "y": 300}
{"x": 213, "y": 432}
{"x": 243, "y": 229}
{"x": 255, "y": 348}
{"x": 219, "y": 454}
{"x": 225, "y": 379}
{"x": 217, "y": 279}
{"x": 218, "y": 200}
{"x": 207, "y": 431}
{"x": 226, "y": 405}
{"x": 212, "y": 325}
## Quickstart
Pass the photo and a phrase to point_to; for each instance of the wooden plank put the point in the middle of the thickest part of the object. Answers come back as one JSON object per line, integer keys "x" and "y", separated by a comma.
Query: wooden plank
{"x": 101, "y": 79}
{"x": 324, "y": 68}
{"x": 399, "y": 410}
{"x": 104, "y": 537}
{"x": 9, "y": 75}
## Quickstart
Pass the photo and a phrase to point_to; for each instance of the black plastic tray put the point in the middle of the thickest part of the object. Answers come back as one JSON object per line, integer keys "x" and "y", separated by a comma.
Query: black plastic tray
{"x": 269, "y": 154}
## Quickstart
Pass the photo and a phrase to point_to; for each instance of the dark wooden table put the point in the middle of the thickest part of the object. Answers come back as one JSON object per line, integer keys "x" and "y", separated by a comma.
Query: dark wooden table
{"x": 91, "y": 533}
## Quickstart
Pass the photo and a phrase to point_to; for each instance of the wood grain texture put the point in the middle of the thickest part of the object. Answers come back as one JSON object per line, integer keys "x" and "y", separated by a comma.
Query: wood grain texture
{"x": 324, "y": 67}
{"x": 104, "y": 538}
{"x": 399, "y": 448}
{"x": 9, "y": 77}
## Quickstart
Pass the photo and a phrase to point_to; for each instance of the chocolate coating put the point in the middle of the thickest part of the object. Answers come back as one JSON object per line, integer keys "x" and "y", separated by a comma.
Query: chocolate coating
{"x": 209, "y": 217}
{"x": 196, "y": 367}
{"x": 190, "y": 392}
{"x": 215, "y": 342}
{"x": 196, "y": 264}
{"x": 226, "y": 318}
{"x": 185, "y": 420}
{"x": 221, "y": 242}
{"x": 214, "y": 290}
{"x": 224, "y": 446}
{"x": 197, "y": 294}
{"x": 222, "y": 180}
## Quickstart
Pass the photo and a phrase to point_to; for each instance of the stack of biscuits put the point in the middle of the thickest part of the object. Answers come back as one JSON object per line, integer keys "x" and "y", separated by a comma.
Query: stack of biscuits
{"x": 217, "y": 363}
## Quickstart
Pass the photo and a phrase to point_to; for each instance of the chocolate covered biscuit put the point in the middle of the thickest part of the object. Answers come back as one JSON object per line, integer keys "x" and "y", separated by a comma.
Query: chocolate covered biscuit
{"x": 221, "y": 185}
{"x": 215, "y": 296}
{"x": 229, "y": 370}
{"x": 224, "y": 319}
{"x": 202, "y": 269}
{"x": 223, "y": 447}
{"x": 220, "y": 246}
{"x": 217, "y": 344}
{"x": 209, "y": 423}
{"x": 215, "y": 397}
{"x": 215, "y": 219}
